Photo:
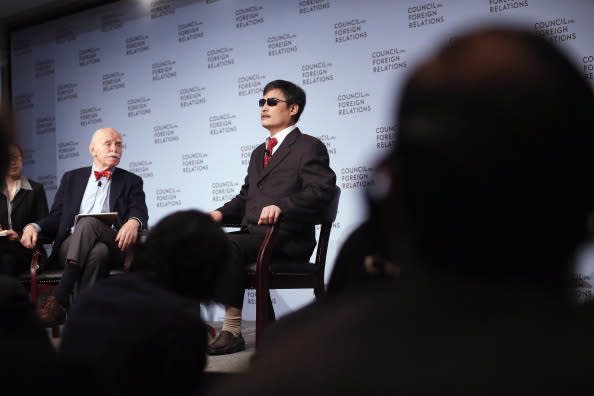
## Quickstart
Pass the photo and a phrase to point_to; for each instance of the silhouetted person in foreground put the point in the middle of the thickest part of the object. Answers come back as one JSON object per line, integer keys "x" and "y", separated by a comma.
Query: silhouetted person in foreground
{"x": 141, "y": 333}
{"x": 489, "y": 195}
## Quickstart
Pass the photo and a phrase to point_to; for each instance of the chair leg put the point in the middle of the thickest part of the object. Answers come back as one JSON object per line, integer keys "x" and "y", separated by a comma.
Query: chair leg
{"x": 264, "y": 312}
{"x": 211, "y": 331}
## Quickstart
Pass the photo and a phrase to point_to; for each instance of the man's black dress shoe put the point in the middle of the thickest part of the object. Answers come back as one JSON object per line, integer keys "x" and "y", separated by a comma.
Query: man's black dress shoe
{"x": 226, "y": 343}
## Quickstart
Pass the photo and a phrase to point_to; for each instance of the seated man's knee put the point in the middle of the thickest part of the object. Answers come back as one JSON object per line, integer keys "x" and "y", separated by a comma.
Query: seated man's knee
{"x": 87, "y": 222}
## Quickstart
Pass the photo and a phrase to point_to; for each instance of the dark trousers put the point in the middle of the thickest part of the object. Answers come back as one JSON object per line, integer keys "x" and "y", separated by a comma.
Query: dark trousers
{"x": 230, "y": 282}
{"x": 88, "y": 255}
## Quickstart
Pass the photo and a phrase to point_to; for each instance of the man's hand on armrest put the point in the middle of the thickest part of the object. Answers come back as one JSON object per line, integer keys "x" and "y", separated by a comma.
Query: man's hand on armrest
{"x": 29, "y": 238}
{"x": 270, "y": 214}
{"x": 128, "y": 234}
{"x": 216, "y": 216}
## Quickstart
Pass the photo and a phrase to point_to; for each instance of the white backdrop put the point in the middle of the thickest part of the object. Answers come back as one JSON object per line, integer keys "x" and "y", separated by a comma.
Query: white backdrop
{"x": 180, "y": 81}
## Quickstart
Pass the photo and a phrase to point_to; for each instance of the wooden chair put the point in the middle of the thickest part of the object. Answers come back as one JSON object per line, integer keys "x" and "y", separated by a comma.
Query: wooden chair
{"x": 280, "y": 273}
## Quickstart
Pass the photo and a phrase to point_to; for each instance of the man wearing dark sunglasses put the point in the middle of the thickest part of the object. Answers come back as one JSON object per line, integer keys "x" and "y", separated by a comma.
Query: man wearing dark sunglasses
{"x": 288, "y": 179}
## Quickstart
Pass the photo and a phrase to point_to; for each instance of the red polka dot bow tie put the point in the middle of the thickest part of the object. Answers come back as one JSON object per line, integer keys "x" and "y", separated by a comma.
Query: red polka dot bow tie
{"x": 106, "y": 173}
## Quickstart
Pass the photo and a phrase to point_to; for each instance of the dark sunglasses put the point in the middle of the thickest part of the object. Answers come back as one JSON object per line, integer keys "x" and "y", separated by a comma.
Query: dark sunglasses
{"x": 270, "y": 101}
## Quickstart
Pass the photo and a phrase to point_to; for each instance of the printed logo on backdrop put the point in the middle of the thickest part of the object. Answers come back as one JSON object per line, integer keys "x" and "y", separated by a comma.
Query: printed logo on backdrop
{"x": 353, "y": 102}
{"x": 44, "y": 68}
{"x": 496, "y": 6}
{"x": 251, "y": 84}
{"x": 139, "y": 107}
{"x": 68, "y": 150}
{"x": 194, "y": 162}
{"x": 385, "y": 136}
{"x": 588, "y": 62}
{"x": 66, "y": 91}
{"x": 21, "y": 46}
{"x": 281, "y": 44}
{"x": 45, "y": 125}
{"x": 222, "y": 124}
{"x": 583, "y": 287}
{"x": 113, "y": 81}
{"x": 388, "y": 59}
{"x": 224, "y": 191}
{"x": 167, "y": 197}
{"x": 212, "y": 1}
{"x": 88, "y": 56}
{"x": 23, "y": 101}
{"x": 189, "y": 31}
{"x": 251, "y": 297}
{"x": 315, "y": 73}
{"x": 356, "y": 177}
{"x": 245, "y": 152}
{"x": 165, "y": 134}
{"x": 111, "y": 22}
{"x": 556, "y": 29}
{"x": 48, "y": 181}
{"x": 308, "y": 6}
{"x": 137, "y": 44}
{"x": 329, "y": 141}
{"x": 220, "y": 57}
{"x": 65, "y": 34}
{"x": 142, "y": 168}
{"x": 191, "y": 96}
{"x": 350, "y": 30}
{"x": 28, "y": 156}
{"x": 425, "y": 14}
{"x": 250, "y": 16}
{"x": 164, "y": 70}
{"x": 90, "y": 116}
{"x": 161, "y": 8}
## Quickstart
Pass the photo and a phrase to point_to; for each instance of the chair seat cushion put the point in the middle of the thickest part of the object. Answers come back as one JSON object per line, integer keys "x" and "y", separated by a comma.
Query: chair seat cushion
{"x": 287, "y": 267}
{"x": 50, "y": 275}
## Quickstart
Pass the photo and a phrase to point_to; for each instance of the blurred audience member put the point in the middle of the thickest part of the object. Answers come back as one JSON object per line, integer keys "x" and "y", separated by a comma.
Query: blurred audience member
{"x": 141, "y": 333}
{"x": 22, "y": 201}
{"x": 488, "y": 195}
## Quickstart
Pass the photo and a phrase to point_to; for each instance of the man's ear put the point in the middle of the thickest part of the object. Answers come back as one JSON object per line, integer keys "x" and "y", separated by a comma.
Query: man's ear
{"x": 293, "y": 109}
{"x": 91, "y": 149}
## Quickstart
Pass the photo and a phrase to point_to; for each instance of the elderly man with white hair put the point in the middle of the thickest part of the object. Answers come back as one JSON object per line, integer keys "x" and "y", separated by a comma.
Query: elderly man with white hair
{"x": 88, "y": 247}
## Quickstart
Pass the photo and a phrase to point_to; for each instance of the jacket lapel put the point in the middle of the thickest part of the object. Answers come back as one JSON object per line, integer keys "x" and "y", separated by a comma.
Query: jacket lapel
{"x": 116, "y": 188}
{"x": 79, "y": 186}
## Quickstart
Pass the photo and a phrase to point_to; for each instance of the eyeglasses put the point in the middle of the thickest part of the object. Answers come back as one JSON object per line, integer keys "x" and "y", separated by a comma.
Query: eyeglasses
{"x": 270, "y": 101}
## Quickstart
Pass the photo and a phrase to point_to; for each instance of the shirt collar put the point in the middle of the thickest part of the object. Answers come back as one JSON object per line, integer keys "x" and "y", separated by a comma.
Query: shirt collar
{"x": 281, "y": 135}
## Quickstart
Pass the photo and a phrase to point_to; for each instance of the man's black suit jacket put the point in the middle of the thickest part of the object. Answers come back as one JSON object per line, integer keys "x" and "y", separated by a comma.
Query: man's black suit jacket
{"x": 126, "y": 197}
{"x": 298, "y": 179}
{"x": 28, "y": 206}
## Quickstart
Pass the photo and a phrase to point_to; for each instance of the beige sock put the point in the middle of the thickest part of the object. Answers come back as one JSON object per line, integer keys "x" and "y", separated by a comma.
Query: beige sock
{"x": 232, "y": 320}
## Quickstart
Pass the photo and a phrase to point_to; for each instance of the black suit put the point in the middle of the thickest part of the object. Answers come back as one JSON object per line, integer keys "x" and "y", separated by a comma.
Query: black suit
{"x": 126, "y": 197}
{"x": 299, "y": 180}
{"x": 28, "y": 206}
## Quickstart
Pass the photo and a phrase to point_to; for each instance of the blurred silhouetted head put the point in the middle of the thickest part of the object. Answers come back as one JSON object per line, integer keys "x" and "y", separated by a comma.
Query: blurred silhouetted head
{"x": 183, "y": 251}
{"x": 492, "y": 174}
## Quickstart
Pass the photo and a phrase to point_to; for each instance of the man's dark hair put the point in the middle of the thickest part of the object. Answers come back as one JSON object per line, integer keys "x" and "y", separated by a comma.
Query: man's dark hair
{"x": 494, "y": 160}
{"x": 293, "y": 94}
{"x": 183, "y": 252}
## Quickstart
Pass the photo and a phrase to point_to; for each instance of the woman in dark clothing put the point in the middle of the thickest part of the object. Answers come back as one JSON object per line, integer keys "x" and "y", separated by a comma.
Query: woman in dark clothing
{"x": 22, "y": 201}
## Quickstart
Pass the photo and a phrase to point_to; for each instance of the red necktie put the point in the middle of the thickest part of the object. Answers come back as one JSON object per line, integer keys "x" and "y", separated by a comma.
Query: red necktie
{"x": 268, "y": 153}
{"x": 106, "y": 173}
